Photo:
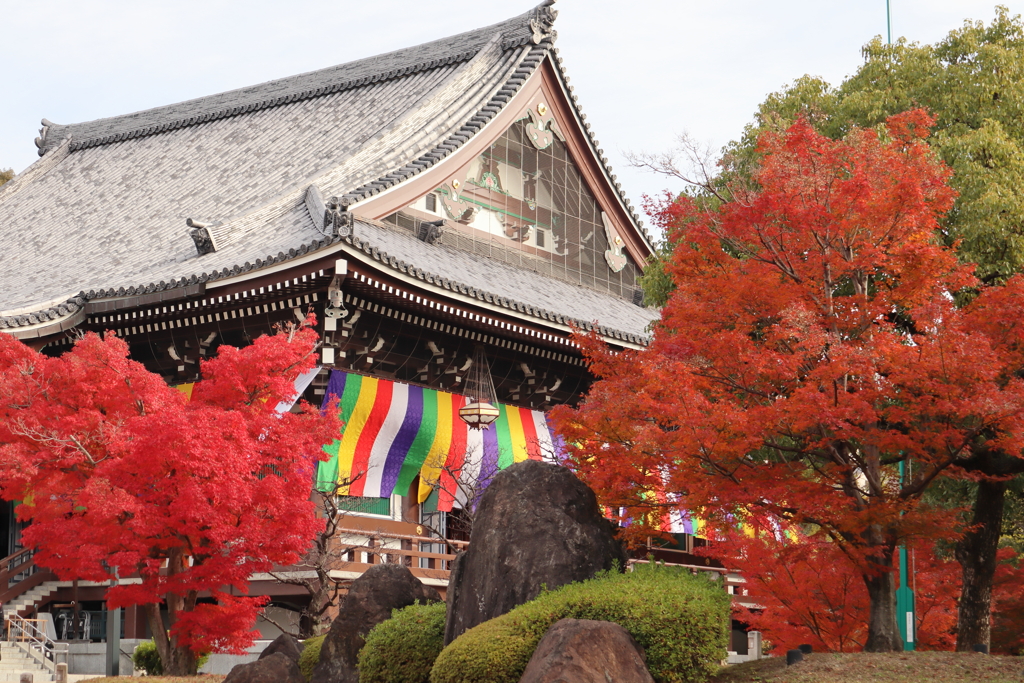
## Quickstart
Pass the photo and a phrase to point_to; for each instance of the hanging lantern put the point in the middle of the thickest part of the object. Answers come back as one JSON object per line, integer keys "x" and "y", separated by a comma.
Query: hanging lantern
{"x": 481, "y": 407}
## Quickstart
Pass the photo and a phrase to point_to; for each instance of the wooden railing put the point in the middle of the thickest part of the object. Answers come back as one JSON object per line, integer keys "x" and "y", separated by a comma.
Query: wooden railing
{"x": 380, "y": 548}
{"x": 426, "y": 556}
{"x": 19, "y": 574}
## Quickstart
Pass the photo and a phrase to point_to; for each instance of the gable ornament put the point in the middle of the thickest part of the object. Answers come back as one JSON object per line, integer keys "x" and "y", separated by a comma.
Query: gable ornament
{"x": 458, "y": 208}
{"x": 614, "y": 256}
{"x": 542, "y": 128}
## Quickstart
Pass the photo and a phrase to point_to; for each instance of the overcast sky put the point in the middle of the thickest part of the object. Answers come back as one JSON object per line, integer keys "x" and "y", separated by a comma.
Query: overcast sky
{"x": 644, "y": 70}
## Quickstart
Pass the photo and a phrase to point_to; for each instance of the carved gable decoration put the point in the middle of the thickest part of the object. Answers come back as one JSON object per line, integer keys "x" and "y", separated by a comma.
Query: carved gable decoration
{"x": 614, "y": 256}
{"x": 525, "y": 201}
{"x": 457, "y": 208}
{"x": 543, "y": 128}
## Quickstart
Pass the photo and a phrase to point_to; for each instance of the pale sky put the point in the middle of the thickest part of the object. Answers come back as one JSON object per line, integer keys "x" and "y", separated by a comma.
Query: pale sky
{"x": 644, "y": 71}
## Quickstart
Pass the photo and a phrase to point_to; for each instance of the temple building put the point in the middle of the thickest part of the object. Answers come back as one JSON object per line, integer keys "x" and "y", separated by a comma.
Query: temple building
{"x": 441, "y": 209}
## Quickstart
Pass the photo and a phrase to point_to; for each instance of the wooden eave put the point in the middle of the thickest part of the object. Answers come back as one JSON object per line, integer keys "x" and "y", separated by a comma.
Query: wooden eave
{"x": 303, "y": 282}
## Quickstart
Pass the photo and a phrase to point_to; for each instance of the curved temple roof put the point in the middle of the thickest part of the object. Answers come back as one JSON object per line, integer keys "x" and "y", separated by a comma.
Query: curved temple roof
{"x": 103, "y": 211}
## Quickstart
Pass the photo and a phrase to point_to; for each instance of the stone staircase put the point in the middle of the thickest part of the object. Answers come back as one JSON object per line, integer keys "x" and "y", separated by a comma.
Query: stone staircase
{"x": 14, "y": 661}
{"x": 32, "y": 597}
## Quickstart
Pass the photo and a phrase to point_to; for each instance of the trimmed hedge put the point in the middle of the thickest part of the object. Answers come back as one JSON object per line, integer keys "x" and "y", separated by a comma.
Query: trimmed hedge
{"x": 403, "y": 648}
{"x": 681, "y": 621}
{"x": 310, "y": 656}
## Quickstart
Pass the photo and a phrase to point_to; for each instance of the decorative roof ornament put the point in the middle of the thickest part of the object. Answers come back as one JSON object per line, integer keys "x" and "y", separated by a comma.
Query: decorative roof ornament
{"x": 337, "y": 218}
{"x": 543, "y": 22}
{"x": 201, "y": 235}
{"x": 614, "y": 256}
{"x": 41, "y": 140}
{"x": 430, "y": 232}
{"x": 330, "y": 217}
{"x": 481, "y": 407}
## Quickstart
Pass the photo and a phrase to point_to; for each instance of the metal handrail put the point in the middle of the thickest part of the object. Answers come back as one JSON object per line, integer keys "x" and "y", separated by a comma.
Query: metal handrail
{"x": 30, "y": 636}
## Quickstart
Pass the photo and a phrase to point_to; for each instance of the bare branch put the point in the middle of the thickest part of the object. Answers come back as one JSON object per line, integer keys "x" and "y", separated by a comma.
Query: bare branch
{"x": 689, "y": 160}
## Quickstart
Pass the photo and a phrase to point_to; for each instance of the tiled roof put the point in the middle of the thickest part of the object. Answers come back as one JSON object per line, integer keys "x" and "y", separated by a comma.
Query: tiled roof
{"x": 353, "y": 75}
{"x": 515, "y": 288}
{"x": 105, "y": 208}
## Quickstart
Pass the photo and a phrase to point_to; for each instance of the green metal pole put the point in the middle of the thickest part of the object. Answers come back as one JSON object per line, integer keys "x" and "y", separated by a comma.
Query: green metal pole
{"x": 888, "y": 26}
{"x": 905, "y": 617}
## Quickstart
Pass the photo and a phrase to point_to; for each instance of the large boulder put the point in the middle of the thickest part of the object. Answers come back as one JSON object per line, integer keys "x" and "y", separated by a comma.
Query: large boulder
{"x": 284, "y": 644}
{"x": 275, "y": 668}
{"x": 585, "y": 651}
{"x": 536, "y": 526}
{"x": 370, "y": 599}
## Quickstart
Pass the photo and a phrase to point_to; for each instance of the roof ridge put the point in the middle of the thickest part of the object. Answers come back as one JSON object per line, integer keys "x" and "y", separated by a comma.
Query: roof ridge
{"x": 533, "y": 25}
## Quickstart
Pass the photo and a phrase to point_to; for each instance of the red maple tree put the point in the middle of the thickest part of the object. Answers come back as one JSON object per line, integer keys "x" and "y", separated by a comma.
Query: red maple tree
{"x": 810, "y": 592}
{"x": 811, "y": 344}
{"x": 121, "y": 474}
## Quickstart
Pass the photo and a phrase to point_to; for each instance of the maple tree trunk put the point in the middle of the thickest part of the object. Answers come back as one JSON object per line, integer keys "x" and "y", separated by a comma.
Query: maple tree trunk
{"x": 976, "y": 553}
{"x": 883, "y": 634}
{"x": 312, "y": 618}
{"x": 175, "y": 660}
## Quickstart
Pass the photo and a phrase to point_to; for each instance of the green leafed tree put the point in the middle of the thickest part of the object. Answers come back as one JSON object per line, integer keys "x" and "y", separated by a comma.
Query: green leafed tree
{"x": 973, "y": 83}
{"x": 6, "y": 175}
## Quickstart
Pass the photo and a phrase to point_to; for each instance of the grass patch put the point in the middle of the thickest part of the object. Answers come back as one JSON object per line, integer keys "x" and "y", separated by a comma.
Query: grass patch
{"x": 903, "y": 667}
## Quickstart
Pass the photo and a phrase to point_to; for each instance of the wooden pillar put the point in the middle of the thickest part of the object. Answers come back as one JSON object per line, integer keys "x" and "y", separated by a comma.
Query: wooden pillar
{"x": 134, "y": 622}
{"x": 411, "y": 503}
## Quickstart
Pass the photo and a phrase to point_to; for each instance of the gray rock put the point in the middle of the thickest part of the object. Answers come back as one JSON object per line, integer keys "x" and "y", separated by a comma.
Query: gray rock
{"x": 285, "y": 644}
{"x": 370, "y": 599}
{"x": 275, "y": 668}
{"x": 536, "y": 525}
{"x": 585, "y": 651}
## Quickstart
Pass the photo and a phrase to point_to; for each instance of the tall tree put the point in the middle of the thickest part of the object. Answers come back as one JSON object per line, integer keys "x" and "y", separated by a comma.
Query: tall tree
{"x": 971, "y": 82}
{"x": 810, "y": 345}
{"x": 120, "y": 475}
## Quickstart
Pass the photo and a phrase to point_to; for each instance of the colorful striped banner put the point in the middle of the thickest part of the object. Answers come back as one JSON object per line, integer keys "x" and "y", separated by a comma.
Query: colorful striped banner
{"x": 394, "y": 431}
{"x": 677, "y": 520}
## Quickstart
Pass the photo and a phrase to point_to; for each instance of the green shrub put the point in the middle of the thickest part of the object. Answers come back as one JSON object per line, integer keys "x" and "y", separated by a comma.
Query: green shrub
{"x": 147, "y": 658}
{"x": 310, "y": 656}
{"x": 403, "y": 648}
{"x": 681, "y": 621}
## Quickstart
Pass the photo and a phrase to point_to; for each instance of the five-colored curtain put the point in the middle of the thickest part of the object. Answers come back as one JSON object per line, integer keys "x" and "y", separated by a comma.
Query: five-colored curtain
{"x": 394, "y": 431}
